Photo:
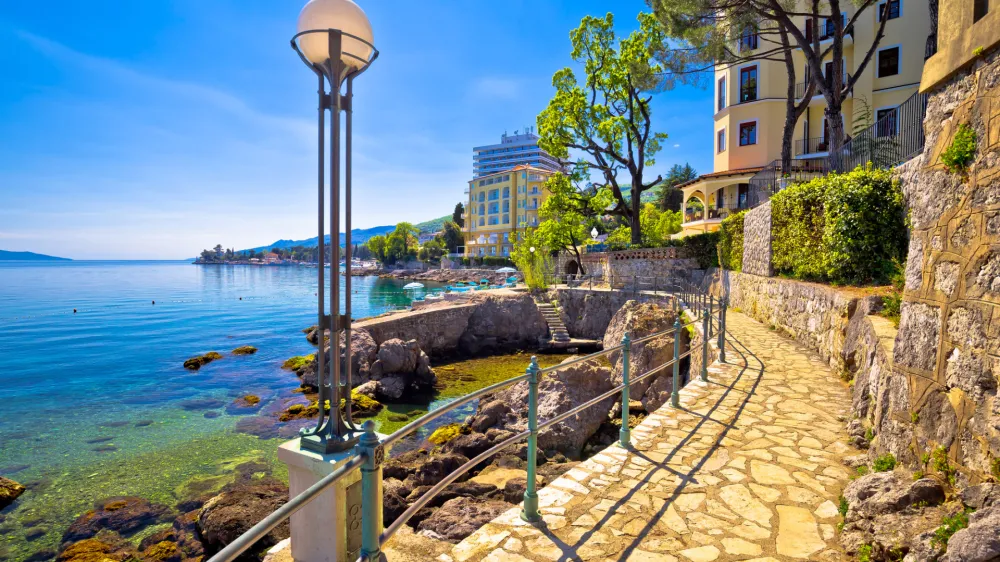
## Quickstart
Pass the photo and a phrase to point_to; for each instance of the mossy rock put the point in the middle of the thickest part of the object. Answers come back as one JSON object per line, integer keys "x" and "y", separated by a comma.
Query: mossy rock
{"x": 247, "y": 401}
{"x": 163, "y": 550}
{"x": 398, "y": 417}
{"x": 297, "y": 362}
{"x": 196, "y": 363}
{"x": 446, "y": 433}
{"x": 245, "y": 350}
{"x": 362, "y": 406}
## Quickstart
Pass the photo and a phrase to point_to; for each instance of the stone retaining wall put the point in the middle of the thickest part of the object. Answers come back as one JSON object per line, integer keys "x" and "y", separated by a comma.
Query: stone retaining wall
{"x": 812, "y": 314}
{"x": 948, "y": 346}
{"x": 757, "y": 241}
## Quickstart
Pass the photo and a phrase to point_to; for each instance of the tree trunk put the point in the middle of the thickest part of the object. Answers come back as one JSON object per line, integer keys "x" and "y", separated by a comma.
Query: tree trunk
{"x": 835, "y": 122}
{"x": 634, "y": 225}
{"x": 579, "y": 259}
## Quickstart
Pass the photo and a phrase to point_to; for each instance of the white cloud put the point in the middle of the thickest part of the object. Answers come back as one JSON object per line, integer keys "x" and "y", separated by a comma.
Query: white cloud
{"x": 677, "y": 146}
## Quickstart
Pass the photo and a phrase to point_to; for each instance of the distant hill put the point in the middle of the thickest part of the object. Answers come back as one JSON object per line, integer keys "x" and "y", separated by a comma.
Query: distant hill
{"x": 358, "y": 235}
{"x": 433, "y": 225}
{"x": 28, "y": 256}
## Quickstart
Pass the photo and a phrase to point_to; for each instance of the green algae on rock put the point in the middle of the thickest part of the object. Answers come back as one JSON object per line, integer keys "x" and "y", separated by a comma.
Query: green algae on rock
{"x": 196, "y": 363}
{"x": 448, "y": 432}
{"x": 245, "y": 350}
{"x": 297, "y": 362}
{"x": 9, "y": 491}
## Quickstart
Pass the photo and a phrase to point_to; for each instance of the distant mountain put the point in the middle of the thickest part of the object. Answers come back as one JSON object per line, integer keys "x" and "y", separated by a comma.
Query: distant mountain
{"x": 28, "y": 256}
{"x": 433, "y": 225}
{"x": 358, "y": 235}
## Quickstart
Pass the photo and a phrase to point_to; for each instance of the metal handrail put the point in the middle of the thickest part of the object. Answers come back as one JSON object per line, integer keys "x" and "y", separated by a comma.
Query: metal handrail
{"x": 278, "y": 516}
{"x": 370, "y": 451}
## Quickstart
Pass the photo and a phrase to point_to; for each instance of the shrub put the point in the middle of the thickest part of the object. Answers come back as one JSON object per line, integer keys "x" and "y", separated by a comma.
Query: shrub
{"x": 957, "y": 157}
{"x": 843, "y": 506}
{"x": 941, "y": 464}
{"x": 841, "y": 228}
{"x": 865, "y": 553}
{"x": 884, "y": 463}
{"x": 730, "y": 245}
{"x": 949, "y": 526}
{"x": 701, "y": 247}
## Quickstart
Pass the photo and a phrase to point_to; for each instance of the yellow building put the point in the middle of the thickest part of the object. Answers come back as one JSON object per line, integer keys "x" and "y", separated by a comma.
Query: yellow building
{"x": 500, "y": 207}
{"x": 749, "y": 105}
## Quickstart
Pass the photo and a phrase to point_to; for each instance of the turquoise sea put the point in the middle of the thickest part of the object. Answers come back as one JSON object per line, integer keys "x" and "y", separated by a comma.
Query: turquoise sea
{"x": 97, "y": 403}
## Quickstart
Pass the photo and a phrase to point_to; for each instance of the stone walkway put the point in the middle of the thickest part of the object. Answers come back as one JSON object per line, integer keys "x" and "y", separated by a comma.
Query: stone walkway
{"x": 748, "y": 469}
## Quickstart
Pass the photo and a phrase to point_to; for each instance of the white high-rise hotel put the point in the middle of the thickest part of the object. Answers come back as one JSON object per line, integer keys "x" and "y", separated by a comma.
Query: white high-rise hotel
{"x": 513, "y": 150}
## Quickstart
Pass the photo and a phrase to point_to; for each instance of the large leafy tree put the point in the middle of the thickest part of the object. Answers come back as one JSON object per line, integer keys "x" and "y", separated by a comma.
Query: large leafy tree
{"x": 670, "y": 198}
{"x": 456, "y": 215}
{"x": 377, "y": 244}
{"x": 452, "y": 236}
{"x": 728, "y": 32}
{"x": 567, "y": 216}
{"x": 606, "y": 119}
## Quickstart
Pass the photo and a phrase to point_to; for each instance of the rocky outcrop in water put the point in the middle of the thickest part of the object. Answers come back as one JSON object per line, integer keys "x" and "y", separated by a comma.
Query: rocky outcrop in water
{"x": 641, "y": 320}
{"x": 124, "y": 515}
{"x": 503, "y": 320}
{"x": 559, "y": 391}
{"x": 239, "y": 507}
{"x": 9, "y": 491}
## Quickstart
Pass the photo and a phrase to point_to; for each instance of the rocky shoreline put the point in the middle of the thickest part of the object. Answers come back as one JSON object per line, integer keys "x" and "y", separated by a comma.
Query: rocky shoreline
{"x": 445, "y": 275}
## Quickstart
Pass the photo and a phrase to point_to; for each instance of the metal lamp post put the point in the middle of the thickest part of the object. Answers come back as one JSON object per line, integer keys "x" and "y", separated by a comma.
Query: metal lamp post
{"x": 335, "y": 40}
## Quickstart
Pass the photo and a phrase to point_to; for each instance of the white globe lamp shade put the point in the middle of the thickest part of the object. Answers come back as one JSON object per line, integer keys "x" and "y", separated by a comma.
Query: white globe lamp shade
{"x": 593, "y": 232}
{"x": 531, "y": 249}
{"x": 343, "y": 15}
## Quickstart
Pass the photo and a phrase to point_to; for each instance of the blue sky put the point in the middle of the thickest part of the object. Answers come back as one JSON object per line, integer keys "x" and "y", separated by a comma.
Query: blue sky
{"x": 150, "y": 130}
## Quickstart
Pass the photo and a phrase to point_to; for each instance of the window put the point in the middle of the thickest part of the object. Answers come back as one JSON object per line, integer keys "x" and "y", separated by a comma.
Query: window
{"x": 748, "y": 40}
{"x": 748, "y": 133}
{"x": 494, "y": 208}
{"x": 482, "y": 221}
{"x": 720, "y": 145}
{"x": 893, "y": 10}
{"x": 506, "y": 218}
{"x": 979, "y": 9}
{"x": 888, "y": 62}
{"x": 722, "y": 93}
{"x": 885, "y": 122}
{"x": 748, "y": 84}
{"x": 506, "y": 192}
{"x": 506, "y": 206}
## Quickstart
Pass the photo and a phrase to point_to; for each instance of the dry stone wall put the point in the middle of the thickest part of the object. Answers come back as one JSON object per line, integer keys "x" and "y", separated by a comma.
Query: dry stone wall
{"x": 757, "y": 241}
{"x": 948, "y": 346}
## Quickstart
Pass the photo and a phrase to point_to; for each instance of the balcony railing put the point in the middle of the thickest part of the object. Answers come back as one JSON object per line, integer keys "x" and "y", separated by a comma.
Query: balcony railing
{"x": 811, "y": 146}
{"x": 889, "y": 142}
{"x": 800, "y": 88}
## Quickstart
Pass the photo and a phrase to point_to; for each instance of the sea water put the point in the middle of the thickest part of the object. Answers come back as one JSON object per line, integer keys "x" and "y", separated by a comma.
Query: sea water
{"x": 94, "y": 398}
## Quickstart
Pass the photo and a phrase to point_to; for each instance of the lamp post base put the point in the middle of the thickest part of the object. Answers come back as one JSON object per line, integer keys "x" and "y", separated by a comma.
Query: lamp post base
{"x": 329, "y": 444}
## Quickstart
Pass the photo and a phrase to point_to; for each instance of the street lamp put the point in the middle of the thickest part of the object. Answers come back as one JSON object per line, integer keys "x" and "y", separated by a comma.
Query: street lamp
{"x": 335, "y": 40}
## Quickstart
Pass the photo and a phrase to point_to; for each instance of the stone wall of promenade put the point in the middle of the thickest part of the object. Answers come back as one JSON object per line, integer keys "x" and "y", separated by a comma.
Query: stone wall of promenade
{"x": 757, "y": 241}
{"x": 948, "y": 347}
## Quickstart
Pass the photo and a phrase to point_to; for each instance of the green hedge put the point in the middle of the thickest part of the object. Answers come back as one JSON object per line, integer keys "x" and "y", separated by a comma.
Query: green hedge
{"x": 841, "y": 228}
{"x": 702, "y": 247}
{"x": 731, "y": 242}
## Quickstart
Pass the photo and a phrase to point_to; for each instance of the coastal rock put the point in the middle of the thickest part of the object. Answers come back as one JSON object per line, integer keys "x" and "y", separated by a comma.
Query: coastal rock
{"x": 397, "y": 356}
{"x": 178, "y": 543}
{"x": 231, "y": 513}
{"x": 559, "y": 391}
{"x": 460, "y": 517}
{"x": 106, "y": 547}
{"x": 196, "y": 363}
{"x": 468, "y": 445}
{"x": 980, "y": 541}
{"x": 641, "y": 320}
{"x": 9, "y": 491}
{"x": 245, "y": 350}
{"x": 891, "y": 512}
{"x": 364, "y": 352}
{"x": 503, "y": 320}
{"x": 419, "y": 468}
{"x": 455, "y": 490}
{"x": 123, "y": 514}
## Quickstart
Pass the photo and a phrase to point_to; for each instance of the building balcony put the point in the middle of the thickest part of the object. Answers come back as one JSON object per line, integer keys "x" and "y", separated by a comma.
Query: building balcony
{"x": 814, "y": 146}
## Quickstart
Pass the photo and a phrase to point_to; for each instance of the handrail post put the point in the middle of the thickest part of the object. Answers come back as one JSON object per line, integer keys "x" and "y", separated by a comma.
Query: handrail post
{"x": 529, "y": 512}
{"x": 711, "y": 311}
{"x": 675, "y": 397}
{"x": 723, "y": 307}
{"x": 371, "y": 492}
{"x": 623, "y": 436}
{"x": 707, "y": 323}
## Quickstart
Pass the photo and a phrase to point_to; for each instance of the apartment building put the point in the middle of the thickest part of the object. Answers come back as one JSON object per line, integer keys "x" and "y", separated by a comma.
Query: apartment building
{"x": 500, "y": 206}
{"x": 749, "y": 105}
{"x": 514, "y": 150}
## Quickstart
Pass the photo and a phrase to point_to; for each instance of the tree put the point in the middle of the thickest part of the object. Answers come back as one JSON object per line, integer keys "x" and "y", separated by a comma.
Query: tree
{"x": 655, "y": 228}
{"x": 568, "y": 215}
{"x": 607, "y": 118}
{"x": 218, "y": 251}
{"x": 536, "y": 264}
{"x": 712, "y": 27}
{"x": 727, "y": 33}
{"x": 456, "y": 215}
{"x": 377, "y": 244}
{"x": 670, "y": 198}
{"x": 452, "y": 236}
{"x": 402, "y": 243}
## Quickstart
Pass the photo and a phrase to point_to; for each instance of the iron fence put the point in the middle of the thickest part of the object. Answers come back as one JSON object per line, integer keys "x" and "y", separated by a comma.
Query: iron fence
{"x": 890, "y": 141}
{"x": 700, "y": 310}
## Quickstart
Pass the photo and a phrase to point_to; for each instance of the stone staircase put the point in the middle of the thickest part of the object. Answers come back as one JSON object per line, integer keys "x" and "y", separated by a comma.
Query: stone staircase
{"x": 557, "y": 330}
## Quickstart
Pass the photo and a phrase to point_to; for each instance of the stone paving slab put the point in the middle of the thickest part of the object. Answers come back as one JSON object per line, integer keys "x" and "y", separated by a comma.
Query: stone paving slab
{"x": 748, "y": 468}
